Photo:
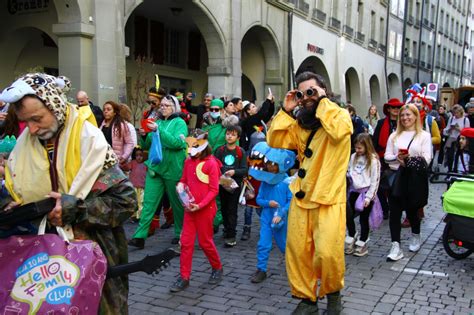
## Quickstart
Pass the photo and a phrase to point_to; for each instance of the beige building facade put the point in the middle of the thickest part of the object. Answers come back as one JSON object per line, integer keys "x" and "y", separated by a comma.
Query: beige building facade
{"x": 113, "y": 48}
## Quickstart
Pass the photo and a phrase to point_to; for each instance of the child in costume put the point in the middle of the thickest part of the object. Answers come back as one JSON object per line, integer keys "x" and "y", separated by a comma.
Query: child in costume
{"x": 464, "y": 160}
{"x": 364, "y": 177}
{"x": 274, "y": 197}
{"x": 137, "y": 176}
{"x": 234, "y": 165}
{"x": 201, "y": 176}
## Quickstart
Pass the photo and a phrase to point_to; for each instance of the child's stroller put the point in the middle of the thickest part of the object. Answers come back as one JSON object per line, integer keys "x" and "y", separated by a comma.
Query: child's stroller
{"x": 458, "y": 203}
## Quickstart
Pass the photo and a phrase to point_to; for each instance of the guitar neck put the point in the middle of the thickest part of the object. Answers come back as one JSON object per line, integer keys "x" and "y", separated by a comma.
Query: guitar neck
{"x": 125, "y": 269}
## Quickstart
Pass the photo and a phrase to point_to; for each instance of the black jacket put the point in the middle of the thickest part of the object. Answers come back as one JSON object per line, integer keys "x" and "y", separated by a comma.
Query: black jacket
{"x": 198, "y": 111}
{"x": 247, "y": 124}
{"x": 98, "y": 114}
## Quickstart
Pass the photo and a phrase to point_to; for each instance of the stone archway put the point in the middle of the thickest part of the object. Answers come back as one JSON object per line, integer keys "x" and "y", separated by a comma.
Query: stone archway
{"x": 406, "y": 85}
{"x": 27, "y": 49}
{"x": 375, "y": 96}
{"x": 314, "y": 64}
{"x": 248, "y": 89}
{"x": 260, "y": 55}
{"x": 394, "y": 86}
{"x": 353, "y": 90}
{"x": 203, "y": 63}
{"x": 69, "y": 11}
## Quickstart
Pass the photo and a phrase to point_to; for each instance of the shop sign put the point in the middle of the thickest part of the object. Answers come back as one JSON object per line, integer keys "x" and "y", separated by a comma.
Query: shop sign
{"x": 15, "y": 7}
{"x": 315, "y": 49}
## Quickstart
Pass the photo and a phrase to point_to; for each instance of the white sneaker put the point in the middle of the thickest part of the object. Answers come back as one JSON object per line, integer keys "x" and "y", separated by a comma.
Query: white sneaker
{"x": 415, "y": 242}
{"x": 361, "y": 248}
{"x": 349, "y": 244}
{"x": 396, "y": 252}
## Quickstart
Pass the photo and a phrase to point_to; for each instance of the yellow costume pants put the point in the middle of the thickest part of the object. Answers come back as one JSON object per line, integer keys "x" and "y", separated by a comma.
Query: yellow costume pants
{"x": 315, "y": 250}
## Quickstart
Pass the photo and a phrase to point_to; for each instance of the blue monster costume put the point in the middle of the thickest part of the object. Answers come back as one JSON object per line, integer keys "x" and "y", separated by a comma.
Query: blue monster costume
{"x": 274, "y": 187}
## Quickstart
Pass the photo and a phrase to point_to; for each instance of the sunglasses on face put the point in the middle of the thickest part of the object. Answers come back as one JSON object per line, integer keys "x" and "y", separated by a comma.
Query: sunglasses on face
{"x": 151, "y": 102}
{"x": 308, "y": 92}
{"x": 214, "y": 109}
{"x": 394, "y": 107}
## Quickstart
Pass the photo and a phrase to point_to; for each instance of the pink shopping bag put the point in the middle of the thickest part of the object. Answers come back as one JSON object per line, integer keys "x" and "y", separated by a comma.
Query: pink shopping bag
{"x": 46, "y": 274}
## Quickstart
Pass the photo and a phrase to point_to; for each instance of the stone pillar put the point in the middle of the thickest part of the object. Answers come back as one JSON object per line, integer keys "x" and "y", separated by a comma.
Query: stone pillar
{"x": 236, "y": 49}
{"x": 109, "y": 52}
{"x": 219, "y": 80}
{"x": 75, "y": 47}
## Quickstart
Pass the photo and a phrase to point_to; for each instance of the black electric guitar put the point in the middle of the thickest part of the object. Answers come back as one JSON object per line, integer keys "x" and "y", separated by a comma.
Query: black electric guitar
{"x": 150, "y": 264}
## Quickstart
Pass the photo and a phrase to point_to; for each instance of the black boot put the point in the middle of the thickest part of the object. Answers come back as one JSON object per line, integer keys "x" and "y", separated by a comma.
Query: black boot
{"x": 306, "y": 307}
{"x": 259, "y": 276}
{"x": 245, "y": 233}
{"x": 334, "y": 303}
{"x": 137, "y": 242}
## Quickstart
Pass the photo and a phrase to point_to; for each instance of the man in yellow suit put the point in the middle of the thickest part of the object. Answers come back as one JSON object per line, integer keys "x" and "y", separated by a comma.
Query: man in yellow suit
{"x": 321, "y": 133}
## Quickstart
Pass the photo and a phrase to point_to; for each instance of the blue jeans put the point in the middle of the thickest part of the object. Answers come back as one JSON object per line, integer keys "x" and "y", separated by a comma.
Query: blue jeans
{"x": 248, "y": 214}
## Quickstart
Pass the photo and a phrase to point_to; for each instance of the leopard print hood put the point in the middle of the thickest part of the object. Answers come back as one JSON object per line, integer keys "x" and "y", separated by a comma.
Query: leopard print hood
{"x": 47, "y": 88}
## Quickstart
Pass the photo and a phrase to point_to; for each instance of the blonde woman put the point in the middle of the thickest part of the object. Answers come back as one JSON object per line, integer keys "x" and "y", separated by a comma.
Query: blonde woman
{"x": 409, "y": 149}
{"x": 372, "y": 116}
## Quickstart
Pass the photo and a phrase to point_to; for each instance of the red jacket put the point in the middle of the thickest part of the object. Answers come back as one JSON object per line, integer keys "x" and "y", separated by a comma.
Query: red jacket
{"x": 204, "y": 194}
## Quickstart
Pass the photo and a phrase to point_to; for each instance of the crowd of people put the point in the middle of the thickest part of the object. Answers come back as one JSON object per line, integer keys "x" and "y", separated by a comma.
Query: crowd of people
{"x": 308, "y": 170}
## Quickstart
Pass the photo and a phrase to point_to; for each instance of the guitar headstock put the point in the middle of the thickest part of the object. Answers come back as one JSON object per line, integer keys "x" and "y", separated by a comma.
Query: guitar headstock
{"x": 155, "y": 263}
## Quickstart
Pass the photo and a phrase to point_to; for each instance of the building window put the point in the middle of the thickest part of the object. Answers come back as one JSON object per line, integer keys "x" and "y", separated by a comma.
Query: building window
{"x": 438, "y": 56}
{"x": 320, "y": 5}
{"x": 417, "y": 13}
{"x": 392, "y": 40}
{"x": 407, "y": 48}
{"x": 397, "y": 7}
{"x": 394, "y": 7}
{"x": 441, "y": 21}
{"x": 172, "y": 40}
{"x": 401, "y": 9}
{"x": 452, "y": 27}
{"x": 335, "y": 9}
{"x": 448, "y": 62}
{"x": 360, "y": 17}
{"x": 433, "y": 12}
{"x": 398, "y": 52}
{"x": 141, "y": 37}
{"x": 457, "y": 30}
{"x": 382, "y": 30}
{"x": 429, "y": 56}
{"x": 414, "y": 49}
{"x": 410, "y": 8}
{"x": 349, "y": 13}
{"x": 423, "y": 52}
{"x": 372, "y": 25}
{"x": 426, "y": 10}
{"x": 443, "y": 58}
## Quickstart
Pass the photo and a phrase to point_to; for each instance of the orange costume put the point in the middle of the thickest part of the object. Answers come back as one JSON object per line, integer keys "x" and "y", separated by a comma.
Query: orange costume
{"x": 317, "y": 216}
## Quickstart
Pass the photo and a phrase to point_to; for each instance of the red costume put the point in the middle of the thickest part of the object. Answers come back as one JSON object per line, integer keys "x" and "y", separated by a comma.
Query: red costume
{"x": 202, "y": 178}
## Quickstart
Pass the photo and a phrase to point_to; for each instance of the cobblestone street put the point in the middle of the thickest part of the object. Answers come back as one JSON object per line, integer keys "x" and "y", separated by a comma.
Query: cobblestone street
{"x": 428, "y": 282}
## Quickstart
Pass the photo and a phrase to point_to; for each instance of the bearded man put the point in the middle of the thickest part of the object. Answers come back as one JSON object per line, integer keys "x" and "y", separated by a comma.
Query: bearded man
{"x": 62, "y": 155}
{"x": 321, "y": 133}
